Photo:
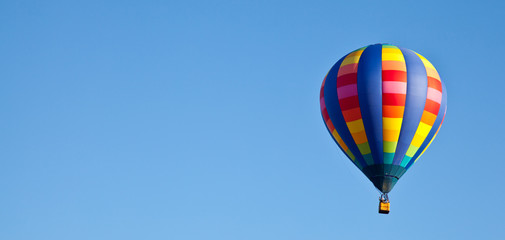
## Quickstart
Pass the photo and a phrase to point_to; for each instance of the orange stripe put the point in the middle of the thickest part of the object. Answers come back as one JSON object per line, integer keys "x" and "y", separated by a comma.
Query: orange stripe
{"x": 350, "y": 68}
{"x": 434, "y": 83}
{"x": 392, "y": 111}
{"x": 390, "y": 135}
{"x": 359, "y": 137}
{"x": 329, "y": 123}
{"x": 428, "y": 118}
{"x": 393, "y": 65}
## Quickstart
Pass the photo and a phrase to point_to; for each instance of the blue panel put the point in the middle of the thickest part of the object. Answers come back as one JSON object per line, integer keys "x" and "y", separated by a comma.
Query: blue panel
{"x": 436, "y": 125}
{"x": 335, "y": 113}
{"x": 370, "y": 98}
{"x": 417, "y": 90}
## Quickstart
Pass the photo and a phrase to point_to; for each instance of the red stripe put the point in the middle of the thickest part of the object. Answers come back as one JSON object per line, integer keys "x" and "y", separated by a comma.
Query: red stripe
{"x": 394, "y": 75}
{"x": 347, "y": 79}
{"x": 392, "y": 99}
{"x": 349, "y": 103}
{"x": 431, "y": 106}
{"x": 325, "y": 115}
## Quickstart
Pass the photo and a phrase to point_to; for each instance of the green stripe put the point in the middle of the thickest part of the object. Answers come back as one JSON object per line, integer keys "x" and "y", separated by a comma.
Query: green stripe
{"x": 364, "y": 148}
{"x": 349, "y": 153}
{"x": 412, "y": 150}
{"x": 389, "y": 147}
{"x": 389, "y": 46}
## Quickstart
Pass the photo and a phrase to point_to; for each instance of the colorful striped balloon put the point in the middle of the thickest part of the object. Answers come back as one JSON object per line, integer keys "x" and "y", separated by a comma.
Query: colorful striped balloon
{"x": 383, "y": 105}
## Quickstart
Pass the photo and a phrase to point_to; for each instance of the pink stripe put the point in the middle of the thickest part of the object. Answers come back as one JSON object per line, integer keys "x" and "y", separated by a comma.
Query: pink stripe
{"x": 350, "y": 68}
{"x": 394, "y": 87}
{"x": 347, "y": 91}
{"x": 323, "y": 105}
{"x": 434, "y": 95}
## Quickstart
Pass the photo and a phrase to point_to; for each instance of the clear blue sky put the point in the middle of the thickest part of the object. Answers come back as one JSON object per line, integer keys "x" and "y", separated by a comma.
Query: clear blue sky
{"x": 195, "y": 120}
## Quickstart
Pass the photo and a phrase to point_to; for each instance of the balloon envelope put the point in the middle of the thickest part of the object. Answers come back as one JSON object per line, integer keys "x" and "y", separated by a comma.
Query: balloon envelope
{"x": 383, "y": 105}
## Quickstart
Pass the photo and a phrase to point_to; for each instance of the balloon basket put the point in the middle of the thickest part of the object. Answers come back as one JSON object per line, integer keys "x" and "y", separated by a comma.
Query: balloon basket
{"x": 384, "y": 207}
{"x": 384, "y": 204}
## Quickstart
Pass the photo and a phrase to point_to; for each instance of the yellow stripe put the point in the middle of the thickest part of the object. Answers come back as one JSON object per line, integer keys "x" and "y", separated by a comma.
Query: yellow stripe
{"x": 392, "y": 54}
{"x": 428, "y": 144}
{"x": 431, "y": 72}
{"x": 418, "y": 140}
{"x": 391, "y": 50}
{"x": 392, "y": 123}
{"x": 356, "y": 53}
{"x": 339, "y": 140}
{"x": 422, "y": 131}
{"x": 425, "y": 61}
{"x": 356, "y": 126}
{"x": 392, "y": 57}
{"x": 352, "y": 58}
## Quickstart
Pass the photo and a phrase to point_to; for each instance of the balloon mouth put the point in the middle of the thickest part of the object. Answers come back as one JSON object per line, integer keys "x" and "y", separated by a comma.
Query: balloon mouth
{"x": 384, "y": 176}
{"x": 384, "y": 183}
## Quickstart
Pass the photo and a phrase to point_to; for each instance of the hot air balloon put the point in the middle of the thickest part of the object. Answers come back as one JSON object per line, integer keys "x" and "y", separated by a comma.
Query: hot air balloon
{"x": 383, "y": 105}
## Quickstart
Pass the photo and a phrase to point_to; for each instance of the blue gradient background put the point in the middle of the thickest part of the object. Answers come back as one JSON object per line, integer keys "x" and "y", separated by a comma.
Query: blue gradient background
{"x": 188, "y": 120}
